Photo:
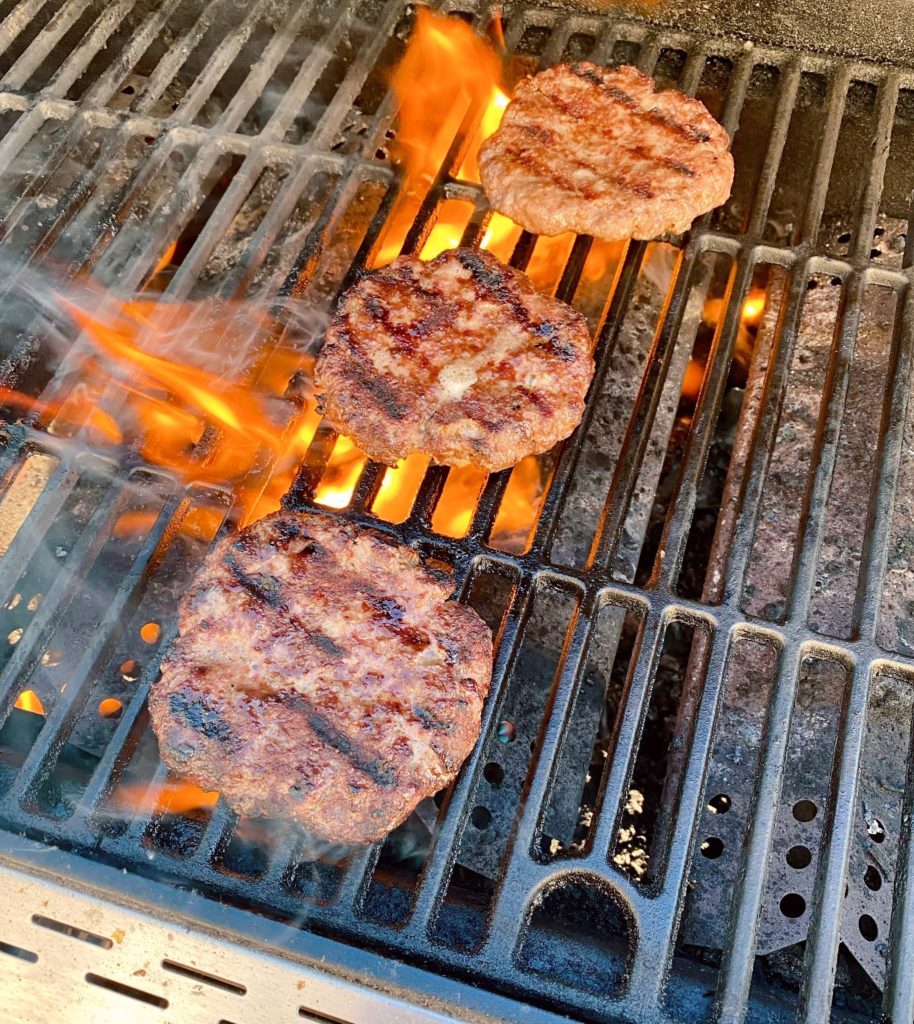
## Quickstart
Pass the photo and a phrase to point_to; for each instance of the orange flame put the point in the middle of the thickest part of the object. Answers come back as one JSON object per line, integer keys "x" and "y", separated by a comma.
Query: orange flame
{"x": 169, "y": 798}
{"x": 160, "y": 376}
{"x": 28, "y": 701}
{"x": 433, "y": 106}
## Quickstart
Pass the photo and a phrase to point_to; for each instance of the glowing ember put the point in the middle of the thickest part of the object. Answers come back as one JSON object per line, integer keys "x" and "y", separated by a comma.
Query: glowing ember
{"x": 28, "y": 701}
{"x": 110, "y": 707}
{"x": 150, "y": 632}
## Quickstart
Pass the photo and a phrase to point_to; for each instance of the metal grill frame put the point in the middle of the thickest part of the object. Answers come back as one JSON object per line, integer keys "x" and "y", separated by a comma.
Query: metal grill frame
{"x": 654, "y": 915}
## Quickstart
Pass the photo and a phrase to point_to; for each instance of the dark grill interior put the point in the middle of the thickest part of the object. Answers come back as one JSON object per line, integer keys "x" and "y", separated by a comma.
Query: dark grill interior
{"x": 691, "y": 799}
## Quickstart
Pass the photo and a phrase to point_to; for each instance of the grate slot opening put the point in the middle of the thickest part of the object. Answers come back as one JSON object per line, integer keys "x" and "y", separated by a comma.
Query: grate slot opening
{"x": 639, "y": 849}
{"x": 574, "y": 796}
{"x": 693, "y": 580}
{"x": 655, "y": 493}
{"x": 317, "y": 1017}
{"x": 849, "y": 174}
{"x": 72, "y": 931}
{"x": 614, "y": 401}
{"x": 749, "y": 147}
{"x": 127, "y": 990}
{"x": 18, "y": 952}
{"x": 195, "y": 974}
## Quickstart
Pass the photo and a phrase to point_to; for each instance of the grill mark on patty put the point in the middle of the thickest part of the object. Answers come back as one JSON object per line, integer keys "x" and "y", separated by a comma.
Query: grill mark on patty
{"x": 268, "y": 590}
{"x": 640, "y": 150}
{"x": 389, "y": 616}
{"x": 406, "y": 335}
{"x": 494, "y": 286}
{"x": 430, "y": 721}
{"x": 380, "y": 774}
{"x": 197, "y": 714}
{"x": 620, "y": 96}
{"x": 525, "y": 159}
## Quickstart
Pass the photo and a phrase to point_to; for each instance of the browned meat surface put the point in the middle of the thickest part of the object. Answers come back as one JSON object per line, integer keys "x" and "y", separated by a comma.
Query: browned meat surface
{"x": 459, "y": 357}
{"x": 597, "y": 151}
{"x": 321, "y": 674}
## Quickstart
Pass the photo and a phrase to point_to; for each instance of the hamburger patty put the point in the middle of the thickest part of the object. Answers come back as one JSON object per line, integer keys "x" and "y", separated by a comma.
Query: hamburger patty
{"x": 460, "y": 358}
{"x": 597, "y": 151}
{"x": 322, "y": 674}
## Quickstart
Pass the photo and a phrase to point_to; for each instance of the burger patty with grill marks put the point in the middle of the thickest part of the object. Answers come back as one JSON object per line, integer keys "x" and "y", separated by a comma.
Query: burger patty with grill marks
{"x": 597, "y": 151}
{"x": 321, "y": 673}
{"x": 459, "y": 357}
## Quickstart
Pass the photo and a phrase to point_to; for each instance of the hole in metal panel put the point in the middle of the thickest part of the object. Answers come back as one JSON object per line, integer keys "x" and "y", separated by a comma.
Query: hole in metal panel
{"x": 319, "y": 1018}
{"x": 872, "y": 879}
{"x": 209, "y": 979}
{"x": 868, "y": 928}
{"x": 72, "y": 931}
{"x": 712, "y": 847}
{"x": 799, "y": 857}
{"x": 17, "y": 951}
{"x": 792, "y": 905}
{"x": 127, "y": 990}
{"x": 719, "y": 804}
{"x": 804, "y": 810}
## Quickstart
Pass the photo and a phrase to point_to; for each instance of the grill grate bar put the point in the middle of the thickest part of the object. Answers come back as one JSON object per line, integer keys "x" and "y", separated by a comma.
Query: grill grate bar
{"x": 739, "y": 957}
{"x": 824, "y": 932}
{"x": 825, "y": 450}
{"x": 888, "y": 460}
{"x": 44, "y": 43}
{"x": 96, "y": 38}
{"x": 445, "y": 841}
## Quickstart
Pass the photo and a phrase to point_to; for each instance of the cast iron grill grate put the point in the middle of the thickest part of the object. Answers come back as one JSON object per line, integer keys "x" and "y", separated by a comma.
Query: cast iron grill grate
{"x": 691, "y": 797}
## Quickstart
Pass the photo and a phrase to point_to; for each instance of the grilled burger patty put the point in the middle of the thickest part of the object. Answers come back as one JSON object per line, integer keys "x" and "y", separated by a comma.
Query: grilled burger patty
{"x": 322, "y": 674}
{"x": 597, "y": 151}
{"x": 459, "y": 357}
